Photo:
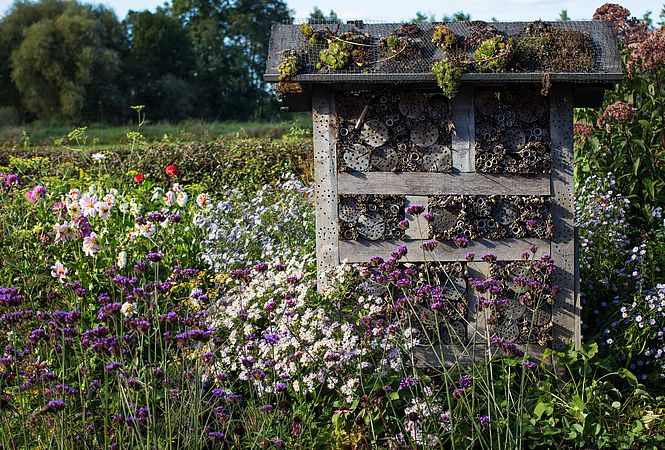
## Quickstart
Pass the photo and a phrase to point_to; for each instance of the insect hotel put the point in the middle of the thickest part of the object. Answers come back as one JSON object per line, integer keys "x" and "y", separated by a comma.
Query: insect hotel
{"x": 474, "y": 122}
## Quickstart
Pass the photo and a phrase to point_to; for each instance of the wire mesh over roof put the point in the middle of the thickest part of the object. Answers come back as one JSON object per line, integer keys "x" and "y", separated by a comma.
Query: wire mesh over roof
{"x": 416, "y": 68}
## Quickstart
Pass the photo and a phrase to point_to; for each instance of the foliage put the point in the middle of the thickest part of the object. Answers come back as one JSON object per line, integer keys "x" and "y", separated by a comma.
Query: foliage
{"x": 246, "y": 163}
{"x": 554, "y": 50}
{"x": 160, "y": 65}
{"x": 63, "y": 58}
{"x": 444, "y": 37}
{"x": 593, "y": 405}
{"x": 289, "y": 66}
{"x": 623, "y": 287}
{"x": 310, "y": 34}
{"x": 620, "y": 192}
{"x": 228, "y": 78}
{"x": 335, "y": 56}
{"x": 626, "y": 136}
{"x": 448, "y": 76}
{"x": 494, "y": 54}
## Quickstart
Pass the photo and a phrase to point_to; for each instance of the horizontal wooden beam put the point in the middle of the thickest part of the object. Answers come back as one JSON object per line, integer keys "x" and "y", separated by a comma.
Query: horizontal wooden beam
{"x": 438, "y": 356}
{"x": 431, "y": 183}
{"x": 505, "y": 249}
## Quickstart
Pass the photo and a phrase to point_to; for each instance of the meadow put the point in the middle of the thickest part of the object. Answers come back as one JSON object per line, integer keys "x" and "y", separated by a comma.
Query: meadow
{"x": 158, "y": 290}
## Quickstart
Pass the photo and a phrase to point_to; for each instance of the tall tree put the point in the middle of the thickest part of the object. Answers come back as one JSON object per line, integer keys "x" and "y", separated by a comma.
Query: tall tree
{"x": 459, "y": 16}
{"x": 18, "y": 19}
{"x": 563, "y": 15}
{"x": 422, "y": 17}
{"x": 318, "y": 16}
{"x": 160, "y": 65}
{"x": 230, "y": 39}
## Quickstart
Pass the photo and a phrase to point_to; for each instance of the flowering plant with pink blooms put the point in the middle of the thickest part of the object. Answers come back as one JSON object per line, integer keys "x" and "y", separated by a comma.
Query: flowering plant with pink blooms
{"x": 627, "y": 135}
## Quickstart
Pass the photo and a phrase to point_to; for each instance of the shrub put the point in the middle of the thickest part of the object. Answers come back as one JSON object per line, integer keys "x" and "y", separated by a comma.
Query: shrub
{"x": 244, "y": 163}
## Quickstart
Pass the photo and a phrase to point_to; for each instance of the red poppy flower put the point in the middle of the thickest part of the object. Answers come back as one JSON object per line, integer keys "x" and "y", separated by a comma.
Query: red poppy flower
{"x": 172, "y": 171}
{"x": 138, "y": 178}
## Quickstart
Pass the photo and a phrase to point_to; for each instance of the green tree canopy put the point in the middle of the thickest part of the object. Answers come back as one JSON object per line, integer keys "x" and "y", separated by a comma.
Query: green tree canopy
{"x": 61, "y": 58}
{"x": 318, "y": 16}
{"x": 160, "y": 65}
{"x": 230, "y": 45}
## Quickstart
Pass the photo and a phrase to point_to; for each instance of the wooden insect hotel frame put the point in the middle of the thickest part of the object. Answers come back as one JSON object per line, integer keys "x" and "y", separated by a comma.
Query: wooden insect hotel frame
{"x": 491, "y": 162}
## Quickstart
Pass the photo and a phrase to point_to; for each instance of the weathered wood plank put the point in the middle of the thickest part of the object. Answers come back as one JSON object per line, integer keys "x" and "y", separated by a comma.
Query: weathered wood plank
{"x": 566, "y": 310}
{"x": 417, "y": 224}
{"x": 430, "y": 183}
{"x": 450, "y": 355}
{"x": 325, "y": 188}
{"x": 477, "y": 326}
{"x": 464, "y": 137}
{"x": 505, "y": 249}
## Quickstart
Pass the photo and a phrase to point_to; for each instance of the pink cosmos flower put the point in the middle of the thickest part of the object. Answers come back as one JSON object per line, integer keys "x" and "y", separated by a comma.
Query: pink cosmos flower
{"x": 59, "y": 271}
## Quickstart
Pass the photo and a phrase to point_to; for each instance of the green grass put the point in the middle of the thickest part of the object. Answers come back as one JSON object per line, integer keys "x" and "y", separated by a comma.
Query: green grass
{"x": 48, "y": 134}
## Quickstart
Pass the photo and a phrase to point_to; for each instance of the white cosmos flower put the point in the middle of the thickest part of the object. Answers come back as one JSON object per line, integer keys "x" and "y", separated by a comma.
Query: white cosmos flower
{"x": 74, "y": 194}
{"x": 122, "y": 260}
{"x": 74, "y": 209}
{"x": 98, "y": 156}
{"x": 90, "y": 244}
{"x": 135, "y": 208}
{"x": 60, "y": 231}
{"x": 104, "y": 210}
{"x": 65, "y": 231}
{"x": 59, "y": 271}
{"x": 176, "y": 188}
{"x": 203, "y": 201}
{"x": 169, "y": 198}
{"x": 147, "y": 229}
{"x": 156, "y": 193}
{"x": 109, "y": 199}
{"x": 181, "y": 198}
{"x": 128, "y": 308}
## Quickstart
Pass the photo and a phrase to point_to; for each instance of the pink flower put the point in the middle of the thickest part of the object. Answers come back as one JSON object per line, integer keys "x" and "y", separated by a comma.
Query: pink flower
{"x": 90, "y": 244}
{"x": 629, "y": 29}
{"x": 616, "y": 113}
{"x": 582, "y": 130}
{"x": 647, "y": 53}
{"x": 34, "y": 194}
{"x": 59, "y": 271}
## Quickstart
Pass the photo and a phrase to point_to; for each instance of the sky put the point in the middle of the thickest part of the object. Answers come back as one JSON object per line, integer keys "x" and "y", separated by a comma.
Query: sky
{"x": 400, "y": 10}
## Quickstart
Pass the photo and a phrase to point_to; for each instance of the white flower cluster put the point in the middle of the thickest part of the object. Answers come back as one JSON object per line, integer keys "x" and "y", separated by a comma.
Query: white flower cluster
{"x": 273, "y": 336}
{"x": 275, "y": 224}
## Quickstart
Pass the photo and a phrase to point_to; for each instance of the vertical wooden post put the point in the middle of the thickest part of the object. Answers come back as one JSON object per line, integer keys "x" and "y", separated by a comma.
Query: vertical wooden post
{"x": 464, "y": 137}
{"x": 325, "y": 178}
{"x": 566, "y": 310}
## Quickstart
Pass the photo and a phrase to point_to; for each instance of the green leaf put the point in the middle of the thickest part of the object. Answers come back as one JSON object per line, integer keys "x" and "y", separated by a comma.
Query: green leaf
{"x": 636, "y": 165}
{"x": 543, "y": 409}
{"x": 628, "y": 375}
{"x": 638, "y": 426}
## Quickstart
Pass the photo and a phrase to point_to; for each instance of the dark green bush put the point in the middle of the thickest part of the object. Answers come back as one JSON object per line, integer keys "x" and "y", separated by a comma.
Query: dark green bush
{"x": 244, "y": 163}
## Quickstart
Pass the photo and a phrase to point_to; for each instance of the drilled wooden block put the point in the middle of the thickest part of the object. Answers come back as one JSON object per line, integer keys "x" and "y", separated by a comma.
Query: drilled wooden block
{"x": 566, "y": 310}
{"x": 325, "y": 179}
